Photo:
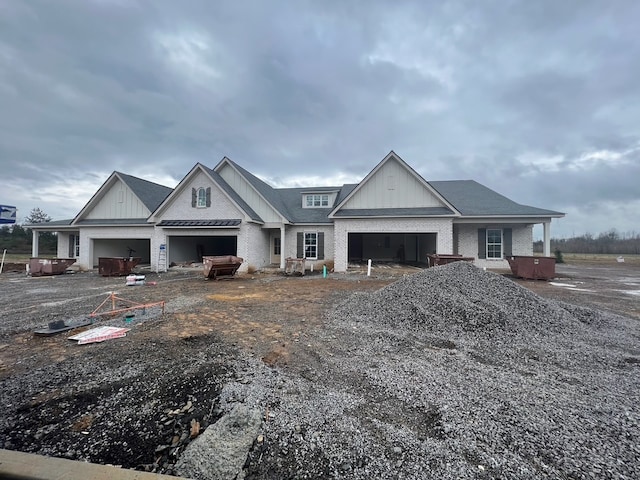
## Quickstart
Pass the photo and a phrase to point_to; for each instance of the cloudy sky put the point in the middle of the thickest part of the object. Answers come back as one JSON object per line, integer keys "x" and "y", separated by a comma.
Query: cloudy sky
{"x": 538, "y": 100}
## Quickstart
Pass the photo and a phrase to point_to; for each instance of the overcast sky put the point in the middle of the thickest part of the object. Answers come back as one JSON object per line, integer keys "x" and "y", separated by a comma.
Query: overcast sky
{"x": 538, "y": 100}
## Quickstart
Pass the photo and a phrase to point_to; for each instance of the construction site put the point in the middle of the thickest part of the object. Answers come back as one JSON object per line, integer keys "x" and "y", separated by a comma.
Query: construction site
{"x": 449, "y": 372}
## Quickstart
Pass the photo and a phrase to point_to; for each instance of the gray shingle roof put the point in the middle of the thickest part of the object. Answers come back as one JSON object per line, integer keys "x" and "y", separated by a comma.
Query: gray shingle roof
{"x": 269, "y": 193}
{"x": 292, "y": 198}
{"x": 113, "y": 221}
{"x": 150, "y": 194}
{"x": 471, "y": 198}
{"x": 233, "y": 194}
{"x": 395, "y": 212}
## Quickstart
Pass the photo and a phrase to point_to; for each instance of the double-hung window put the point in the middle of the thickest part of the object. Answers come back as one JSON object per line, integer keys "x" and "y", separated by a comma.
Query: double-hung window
{"x": 494, "y": 243}
{"x": 311, "y": 245}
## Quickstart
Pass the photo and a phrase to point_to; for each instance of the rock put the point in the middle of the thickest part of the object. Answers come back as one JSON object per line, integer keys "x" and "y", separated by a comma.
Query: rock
{"x": 221, "y": 450}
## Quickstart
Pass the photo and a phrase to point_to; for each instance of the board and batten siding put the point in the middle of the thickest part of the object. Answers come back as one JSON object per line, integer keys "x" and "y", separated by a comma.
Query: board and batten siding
{"x": 118, "y": 202}
{"x": 392, "y": 186}
{"x": 249, "y": 194}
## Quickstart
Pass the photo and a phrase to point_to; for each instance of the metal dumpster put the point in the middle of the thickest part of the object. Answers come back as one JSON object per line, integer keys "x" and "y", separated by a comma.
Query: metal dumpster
{"x": 49, "y": 266}
{"x": 116, "y": 266}
{"x": 433, "y": 260}
{"x": 532, "y": 267}
{"x": 221, "y": 265}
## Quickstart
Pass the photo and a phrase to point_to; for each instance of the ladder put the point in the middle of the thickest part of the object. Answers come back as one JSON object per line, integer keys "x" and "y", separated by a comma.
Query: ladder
{"x": 162, "y": 258}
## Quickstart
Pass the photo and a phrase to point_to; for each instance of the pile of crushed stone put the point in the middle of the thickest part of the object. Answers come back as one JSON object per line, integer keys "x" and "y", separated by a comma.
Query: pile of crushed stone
{"x": 453, "y": 373}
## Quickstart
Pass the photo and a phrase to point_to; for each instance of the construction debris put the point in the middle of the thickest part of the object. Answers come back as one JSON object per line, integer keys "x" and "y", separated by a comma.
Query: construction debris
{"x": 59, "y": 326}
{"x": 99, "y": 334}
{"x": 130, "y": 306}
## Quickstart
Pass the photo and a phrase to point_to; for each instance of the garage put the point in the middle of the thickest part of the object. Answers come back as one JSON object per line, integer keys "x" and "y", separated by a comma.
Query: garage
{"x": 183, "y": 248}
{"x": 411, "y": 248}
{"x": 122, "y": 247}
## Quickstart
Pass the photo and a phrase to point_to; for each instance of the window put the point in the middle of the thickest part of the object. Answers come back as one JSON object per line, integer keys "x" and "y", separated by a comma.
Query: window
{"x": 312, "y": 201}
{"x": 311, "y": 245}
{"x": 276, "y": 245}
{"x": 494, "y": 243}
{"x": 74, "y": 246}
{"x": 202, "y": 197}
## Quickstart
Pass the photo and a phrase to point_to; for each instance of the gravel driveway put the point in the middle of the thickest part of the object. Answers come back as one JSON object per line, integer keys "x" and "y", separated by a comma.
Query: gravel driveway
{"x": 450, "y": 372}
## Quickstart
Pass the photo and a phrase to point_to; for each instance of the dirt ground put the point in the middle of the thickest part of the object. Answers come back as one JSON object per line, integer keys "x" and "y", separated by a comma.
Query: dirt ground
{"x": 138, "y": 401}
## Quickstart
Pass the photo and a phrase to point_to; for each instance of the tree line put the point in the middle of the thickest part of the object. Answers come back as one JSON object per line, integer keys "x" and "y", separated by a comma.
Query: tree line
{"x": 611, "y": 242}
{"x": 17, "y": 238}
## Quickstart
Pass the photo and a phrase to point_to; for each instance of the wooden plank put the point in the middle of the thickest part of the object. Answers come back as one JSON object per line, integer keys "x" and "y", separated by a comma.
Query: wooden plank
{"x": 28, "y": 466}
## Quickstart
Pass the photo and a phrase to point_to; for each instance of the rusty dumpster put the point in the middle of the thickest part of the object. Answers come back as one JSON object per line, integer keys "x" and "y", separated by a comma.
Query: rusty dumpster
{"x": 221, "y": 265}
{"x": 49, "y": 266}
{"x": 532, "y": 267}
{"x": 433, "y": 260}
{"x": 116, "y": 266}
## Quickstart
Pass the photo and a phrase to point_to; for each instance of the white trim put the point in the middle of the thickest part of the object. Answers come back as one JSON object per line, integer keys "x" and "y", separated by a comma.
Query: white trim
{"x": 404, "y": 164}
{"x": 304, "y": 244}
{"x": 486, "y": 243}
{"x": 227, "y": 161}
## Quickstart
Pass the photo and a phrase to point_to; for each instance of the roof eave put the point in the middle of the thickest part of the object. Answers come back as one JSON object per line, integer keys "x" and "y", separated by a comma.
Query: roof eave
{"x": 229, "y": 162}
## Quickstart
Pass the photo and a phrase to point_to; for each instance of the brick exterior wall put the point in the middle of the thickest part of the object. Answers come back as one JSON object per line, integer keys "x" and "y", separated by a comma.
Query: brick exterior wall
{"x": 442, "y": 227}
{"x": 467, "y": 244}
{"x": 86, "y": 260}
{"x": 291, "y": 243}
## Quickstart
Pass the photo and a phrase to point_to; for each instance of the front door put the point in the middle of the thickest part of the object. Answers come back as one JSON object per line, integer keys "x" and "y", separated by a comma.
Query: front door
{"x": 275, "y": 248}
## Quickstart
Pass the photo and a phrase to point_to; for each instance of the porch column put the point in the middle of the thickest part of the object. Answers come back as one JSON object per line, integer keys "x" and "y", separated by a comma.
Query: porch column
{"x": 34, "y": 242}
{"x": 547, "y": 239}
{"x": 282, "y": 247}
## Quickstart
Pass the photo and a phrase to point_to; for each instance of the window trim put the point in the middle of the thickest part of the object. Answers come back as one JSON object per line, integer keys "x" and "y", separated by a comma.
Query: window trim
{"x": 310, "y": 246}
{"x": 277, "y": 246}
{"x": 500, "y": 244}
{"x": 201, "y": 197}
{"x": 309, "y": 200}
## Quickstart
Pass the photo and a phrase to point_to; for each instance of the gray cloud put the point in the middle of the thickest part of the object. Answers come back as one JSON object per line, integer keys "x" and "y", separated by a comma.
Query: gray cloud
{"x": 538, "y": 100}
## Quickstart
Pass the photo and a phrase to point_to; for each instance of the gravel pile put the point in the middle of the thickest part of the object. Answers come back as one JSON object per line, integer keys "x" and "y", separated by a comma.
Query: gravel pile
{"x": 456, "y": 373}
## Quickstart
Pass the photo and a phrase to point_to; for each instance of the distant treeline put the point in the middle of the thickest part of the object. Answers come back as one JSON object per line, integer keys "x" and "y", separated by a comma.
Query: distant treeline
{"x": 17, "y": 239}
{"x": 608, "y": 242}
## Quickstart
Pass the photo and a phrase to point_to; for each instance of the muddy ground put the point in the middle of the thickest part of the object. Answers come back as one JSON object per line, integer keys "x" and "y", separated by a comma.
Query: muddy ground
{"x": 139, "y": 401}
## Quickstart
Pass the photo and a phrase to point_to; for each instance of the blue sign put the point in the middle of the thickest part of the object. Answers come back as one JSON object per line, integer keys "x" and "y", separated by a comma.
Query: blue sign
{"x": 7, "y": 214}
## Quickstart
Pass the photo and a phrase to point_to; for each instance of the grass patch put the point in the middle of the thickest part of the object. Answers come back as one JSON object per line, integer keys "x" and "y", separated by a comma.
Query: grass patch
{"x": 599, "y": 258}
{"x": 20, "y": 257}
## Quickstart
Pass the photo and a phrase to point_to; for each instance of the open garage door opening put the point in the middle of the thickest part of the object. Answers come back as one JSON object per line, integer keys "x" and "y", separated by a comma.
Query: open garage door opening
{"x": 185, "y": 249}
{"x": 122, "y": 248}
{"x": 405, "y": 248}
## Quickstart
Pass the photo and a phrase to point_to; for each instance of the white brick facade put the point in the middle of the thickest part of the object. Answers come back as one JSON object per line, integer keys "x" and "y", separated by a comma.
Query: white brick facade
{"x": 291, "y": 242}
{"x": 467, "y": 243}
{"x": 391, "y": 188}
{"x": 442, "y": 227}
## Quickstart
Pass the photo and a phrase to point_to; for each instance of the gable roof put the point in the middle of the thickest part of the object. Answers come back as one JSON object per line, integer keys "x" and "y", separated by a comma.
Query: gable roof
{"x": 217, "y": 179}
{"x": 266, "y": 191}
{"x": 390, "y": 211}
{"x": 150, "y": 194}
{"x": 215, "y": 176}
{"x": 471, "y": 198}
